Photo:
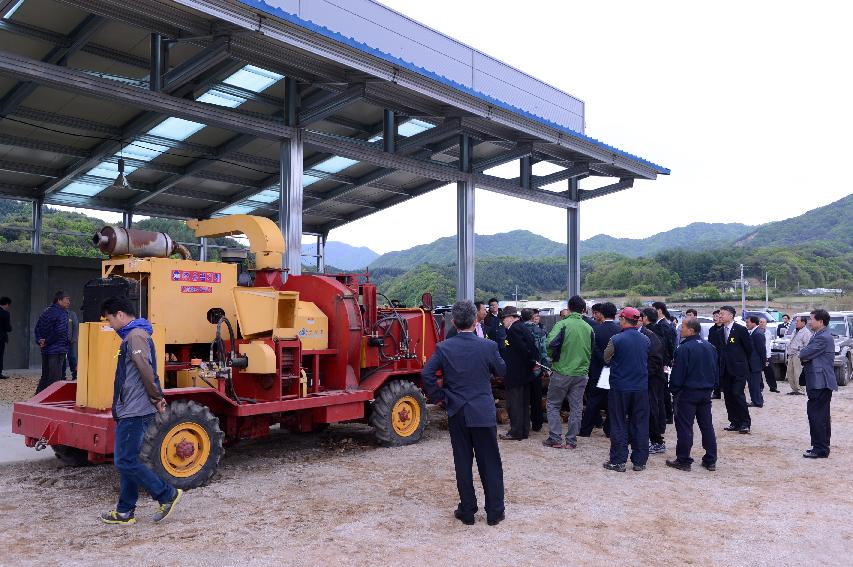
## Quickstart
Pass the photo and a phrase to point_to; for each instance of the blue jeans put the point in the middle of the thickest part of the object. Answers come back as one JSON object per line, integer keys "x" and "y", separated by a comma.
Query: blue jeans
{"x": 130, "y": 431}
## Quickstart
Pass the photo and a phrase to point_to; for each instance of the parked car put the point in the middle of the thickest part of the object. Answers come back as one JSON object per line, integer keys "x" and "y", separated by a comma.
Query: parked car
{"x": 841, "y": 327}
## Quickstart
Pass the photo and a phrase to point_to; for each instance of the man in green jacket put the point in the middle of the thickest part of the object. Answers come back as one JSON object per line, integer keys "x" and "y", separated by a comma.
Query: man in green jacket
{"x": 571, "y": 372}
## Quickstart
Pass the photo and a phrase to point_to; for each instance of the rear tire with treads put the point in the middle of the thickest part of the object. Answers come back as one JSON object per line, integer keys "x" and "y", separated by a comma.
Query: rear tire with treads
{"x": 183, "y": 446}
{"x": 399, "y": 414}
{"x": 71, "y": 456}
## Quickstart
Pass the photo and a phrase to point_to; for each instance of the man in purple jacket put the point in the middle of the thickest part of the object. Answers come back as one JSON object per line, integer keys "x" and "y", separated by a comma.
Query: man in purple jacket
{"x": 51, "y": 335}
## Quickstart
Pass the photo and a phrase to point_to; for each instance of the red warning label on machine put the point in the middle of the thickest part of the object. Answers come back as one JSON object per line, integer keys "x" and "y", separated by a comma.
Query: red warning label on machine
{"x": 193, "y": 276}
{"x": 196, "y": 289}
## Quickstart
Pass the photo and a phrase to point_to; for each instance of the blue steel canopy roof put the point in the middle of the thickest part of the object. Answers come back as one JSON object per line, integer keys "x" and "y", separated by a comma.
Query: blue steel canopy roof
{"x": 61, "y": 137}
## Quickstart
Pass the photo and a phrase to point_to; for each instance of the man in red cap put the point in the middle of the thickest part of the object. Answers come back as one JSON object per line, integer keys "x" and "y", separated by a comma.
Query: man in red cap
{"x": 627, "y": 353}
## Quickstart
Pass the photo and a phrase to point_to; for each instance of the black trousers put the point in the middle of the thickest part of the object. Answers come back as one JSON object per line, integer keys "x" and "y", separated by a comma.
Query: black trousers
{"x": 690, "y": 405}
{"x": 820, "y": 424}
{"x": 755, "y": 384}
{"x": 667, "y": 404}
{"x": 518, "y": 408}
{"x": 657, "y": 412}
{"x": 51, "y": 370}
{"x": 537, "y": 418}
{"x": 2, "y": 354}
{"x": 480, "y": 443}
{"x": 628, "y": 413}
{"x": 770, "y": 377}
{"x": 735, "y": 398}
{"x": 596, "y": 401}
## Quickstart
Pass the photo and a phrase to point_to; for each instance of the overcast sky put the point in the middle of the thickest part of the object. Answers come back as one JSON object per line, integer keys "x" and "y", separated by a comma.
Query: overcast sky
{"x": 748, "y": 103}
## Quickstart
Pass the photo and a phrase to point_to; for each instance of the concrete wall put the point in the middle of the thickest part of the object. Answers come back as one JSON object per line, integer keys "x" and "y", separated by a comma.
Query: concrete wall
{"x": 31, "y": 280}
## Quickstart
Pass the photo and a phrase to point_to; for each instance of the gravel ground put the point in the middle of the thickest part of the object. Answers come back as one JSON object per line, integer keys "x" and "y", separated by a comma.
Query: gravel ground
{"x": 19, "y": 386}
{"x": 336, "y": 497}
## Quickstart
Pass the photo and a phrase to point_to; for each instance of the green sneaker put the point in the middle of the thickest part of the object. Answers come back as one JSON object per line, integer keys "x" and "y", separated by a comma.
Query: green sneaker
{"x": 166, "y": 509}
{"x": 114, "y": 517}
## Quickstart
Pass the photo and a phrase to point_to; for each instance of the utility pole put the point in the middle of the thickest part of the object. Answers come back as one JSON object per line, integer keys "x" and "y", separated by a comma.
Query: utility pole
{"x": 766, "y": 293}
{"x": 742, "y": 292}
{"x": 515, "y": 295}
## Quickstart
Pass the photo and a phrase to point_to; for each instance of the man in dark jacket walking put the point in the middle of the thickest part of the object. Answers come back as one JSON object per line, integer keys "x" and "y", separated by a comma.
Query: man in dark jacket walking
{"x": 137, "y": 397}
{"x": 521, "y": 356}
{"x": 5, "y": 329}
{"x": 695, "y": 374}
{"x": 818, "y": 357}
{"x": 467, "y": 363}
{"x": 628, "y": 404}
{"x": 657, "y": 384}
{"x": 734, "y": 349}
{"x": 51, "y": 335}
{"x": 597, "y": 398}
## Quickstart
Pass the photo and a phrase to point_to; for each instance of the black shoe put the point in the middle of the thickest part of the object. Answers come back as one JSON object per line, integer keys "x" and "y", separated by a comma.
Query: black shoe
{"x": 716, "y": 397}
{"x": 669, "y": 421}
{"x": 3, "y": 377}
{"x": 618, "y": 467}
{"x": 731, "y": 427}
{"x": 497, "y": 520}
{"x": 680, "y": 466}
{"x": 709, "y": 466}
{"x": 810, "y": 454}
{"x": 795, "y": 394}
{"x": 752, "y": 405}
{"x": 639, "y": 468}
{"x": 744, "y": 430}
{"x": 775, "y": 391}
{"x": 508, "y": 437}
{"x": 468, "y": 521}
{"x": 536, "y": 428}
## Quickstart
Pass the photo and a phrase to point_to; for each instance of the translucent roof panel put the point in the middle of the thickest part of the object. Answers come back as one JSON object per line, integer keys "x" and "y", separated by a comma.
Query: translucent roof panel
{"x": 335, "y": 164}
{"x": 176, "y": 129}
{"x": 412, "y": 127}
{"x": 253, "y": 78}
{"x": 308, "y": 180}
{"x": 236, "y": 210}
{"x": 266, "y": 196}
{"x": 221, "y": 99}
{"x": 13, "y": 9}
{"x": 87, "y": 189}
{"x": 144, "y": 151}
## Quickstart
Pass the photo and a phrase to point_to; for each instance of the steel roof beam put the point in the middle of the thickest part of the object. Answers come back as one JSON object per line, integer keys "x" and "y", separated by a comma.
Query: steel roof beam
{"x": 520, "y": 151}
{"x": 137, "y": 125}
{"x": 43, "y": 146}
{"x": 578, "y": 170}
{"x": 330, "y": 105}
{"x": 216, "y": 53}
{"x": 57, "y": 56}
{"x": 449, "y": 127}
{"x": 622, "y": 184}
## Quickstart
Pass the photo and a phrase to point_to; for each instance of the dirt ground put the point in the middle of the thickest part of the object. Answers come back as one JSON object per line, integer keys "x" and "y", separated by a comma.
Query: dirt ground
{"x": 335, "y": 497}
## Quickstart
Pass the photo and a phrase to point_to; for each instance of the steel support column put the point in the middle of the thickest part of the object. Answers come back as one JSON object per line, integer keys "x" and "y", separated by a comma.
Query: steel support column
{"x": 290, "y": 183}
{"x": 573, "y": 241}
{"x": 321, "y": 253}
{"x": 389, "y": 131}
{"x": 155, "y": 74}
{"x": 465, "y": 225}
{"x": 126, "y": 219}
{"x": 36, "y": 238}
{"x": 525, "y": 172}
{"x": 202, "y": 249}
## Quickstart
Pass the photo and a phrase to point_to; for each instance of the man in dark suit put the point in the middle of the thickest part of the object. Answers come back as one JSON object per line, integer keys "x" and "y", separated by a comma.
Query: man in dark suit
{"x": 717, "y": 327}
{"x": 5, "y": 329}
{"x": 521, "y": 356}
{"x": 818, "y": 357}
{"x": 734, "y": 348}
{"x": 467, "y": 364}
{"x": 597, "y": 399}
{"x": 756, "y": 362}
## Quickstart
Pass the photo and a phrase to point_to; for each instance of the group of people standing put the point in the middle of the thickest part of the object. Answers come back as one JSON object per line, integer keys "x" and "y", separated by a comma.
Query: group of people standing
{"x": 645, "y": 371}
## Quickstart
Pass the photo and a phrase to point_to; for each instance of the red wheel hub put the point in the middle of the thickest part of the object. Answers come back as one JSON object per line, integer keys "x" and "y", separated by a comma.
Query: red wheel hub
{"x": 404, "y": 415}
{"x": 184, "y": 449}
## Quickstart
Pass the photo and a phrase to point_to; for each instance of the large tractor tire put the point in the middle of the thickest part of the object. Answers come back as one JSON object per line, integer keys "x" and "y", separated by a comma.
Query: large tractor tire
{"x": 71, "y": 456}
{"x": 183, "y": 445}
{"x": 844, "y": 373}
{"x": 399, "y": 414}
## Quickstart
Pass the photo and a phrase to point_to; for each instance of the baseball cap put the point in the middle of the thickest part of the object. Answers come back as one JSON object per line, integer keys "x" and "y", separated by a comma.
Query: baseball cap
{"x": 630, "y": 313}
